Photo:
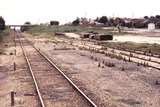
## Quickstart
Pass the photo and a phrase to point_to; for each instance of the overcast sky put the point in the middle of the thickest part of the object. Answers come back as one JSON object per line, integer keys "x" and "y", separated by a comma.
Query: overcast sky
{"x": 36, "y": 11}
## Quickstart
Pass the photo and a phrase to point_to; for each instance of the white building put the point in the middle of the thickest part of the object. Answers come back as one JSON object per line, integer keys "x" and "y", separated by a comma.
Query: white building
{"x": 151, "y": 27}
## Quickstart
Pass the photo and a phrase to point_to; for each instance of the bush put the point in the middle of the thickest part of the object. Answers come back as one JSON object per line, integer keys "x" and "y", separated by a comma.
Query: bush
{"x": 54, "y": 23}
{"x": 103, "y": 20}
{"x": 27, "y": 23}
{"x": 76, "y": 22}
{"x": 25, "y": 28}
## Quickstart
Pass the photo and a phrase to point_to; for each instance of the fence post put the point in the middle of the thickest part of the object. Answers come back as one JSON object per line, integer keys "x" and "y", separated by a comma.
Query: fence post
{"x": 14, "y": 64}
{"x": 12, "y": 98}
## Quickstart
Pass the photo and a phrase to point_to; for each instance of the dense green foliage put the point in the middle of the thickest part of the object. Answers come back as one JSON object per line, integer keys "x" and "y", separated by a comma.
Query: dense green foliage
{"x": 76, "y": 22}
{"x": 2, "y": 28}
{"x": 103, "y": 20}
{"x": 130, "y": 22}
{"x": 4, "y": 33}
{"x": 27, "y": 23}
{"x": 2, "y": 23}
{"x": 54, "y": 23}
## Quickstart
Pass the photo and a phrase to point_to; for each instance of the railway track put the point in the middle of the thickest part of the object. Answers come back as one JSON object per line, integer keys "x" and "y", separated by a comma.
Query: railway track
{"x": 137, "y": 55}
{"x": 53, "y": 87}
{"x": 140, "y": 52}
{"x": 156, "y": 55}
{"x": 146, "y": 60}
{"x": 137, "y": 58}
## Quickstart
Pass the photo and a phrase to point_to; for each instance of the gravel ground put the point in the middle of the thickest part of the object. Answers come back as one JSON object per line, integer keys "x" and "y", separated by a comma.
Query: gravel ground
{"x": 18, "y": 81}
{"x": 124, "y": 85}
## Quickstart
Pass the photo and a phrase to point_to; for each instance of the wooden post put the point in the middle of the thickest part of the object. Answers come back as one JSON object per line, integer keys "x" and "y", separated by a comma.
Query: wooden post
{"x": 15, "y": 40}
{"x": 129, "y": 59}
{"x": 15, "y": 51}
{"x": 12, "y": 98}
{"x": 14, "y": 37}
{"x": 14, "y": 64}
{"x": 99, "y": 64}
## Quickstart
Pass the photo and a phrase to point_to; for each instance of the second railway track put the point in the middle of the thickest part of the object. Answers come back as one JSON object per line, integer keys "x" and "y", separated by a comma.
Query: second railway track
{"x": 145, "y": 60}
{"x": 53, "y": 87}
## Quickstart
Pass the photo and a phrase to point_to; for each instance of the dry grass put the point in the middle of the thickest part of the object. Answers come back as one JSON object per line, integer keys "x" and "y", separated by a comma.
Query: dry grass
{"x": 1, "y": 51}
{"x": 144, "y": 47}
{"x": 4, "y": 33}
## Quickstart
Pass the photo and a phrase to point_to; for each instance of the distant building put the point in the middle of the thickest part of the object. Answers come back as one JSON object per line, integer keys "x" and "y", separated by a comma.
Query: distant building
{"x": 151, "y": 26}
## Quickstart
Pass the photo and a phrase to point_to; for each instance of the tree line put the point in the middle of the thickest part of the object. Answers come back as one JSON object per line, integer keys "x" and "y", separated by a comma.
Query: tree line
{"x": 2, "y": 23}
{"x": 125, "y": 22}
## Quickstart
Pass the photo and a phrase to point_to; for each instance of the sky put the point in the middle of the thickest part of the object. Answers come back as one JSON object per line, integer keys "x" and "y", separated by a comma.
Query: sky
{"x": 41, "y": 11}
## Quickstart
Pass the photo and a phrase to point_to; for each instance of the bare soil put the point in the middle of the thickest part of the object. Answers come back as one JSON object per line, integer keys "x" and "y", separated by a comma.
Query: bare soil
{"x": 17, "y": 80}
{"x": 124, "y": 85}
{"x": 55, "y": 89}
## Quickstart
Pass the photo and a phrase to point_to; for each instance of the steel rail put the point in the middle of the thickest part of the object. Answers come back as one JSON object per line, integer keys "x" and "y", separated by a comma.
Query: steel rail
{"x": 68, "y": 79}
{"x": 32, "y": 74}
{"x": 64, "y": 75}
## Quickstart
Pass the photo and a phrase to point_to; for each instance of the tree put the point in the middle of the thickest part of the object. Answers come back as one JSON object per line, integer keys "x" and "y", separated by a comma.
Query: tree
{"x": 2, "y": 23}
{"x": 25, "y": 28}
{"x": 146, "y": 17}
{"x": 157, "y": 16}
{"x": 76, "y": 22}
{"x": 54, "y": 23}
{"x": 119, "y": 21}
{"x": 103, "y": 20}
{"x": 111, "y": 21}
{"x": 158, "y": 24}
{"x": 97, "y": 19}
{"x": 27, "y": 23}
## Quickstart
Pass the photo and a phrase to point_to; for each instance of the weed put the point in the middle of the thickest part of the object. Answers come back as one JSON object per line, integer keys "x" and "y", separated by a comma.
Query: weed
{"x": 11, "y": 53}
{"x": 157, "y": 82}
{"x": 123, "y": 69}
{"x": 109, "y": 64}
{"x": 129, "y": 59}
{"x": 99, "y": 65}
{"x": 96, "y": 59}
{"x": 131, "y": 55}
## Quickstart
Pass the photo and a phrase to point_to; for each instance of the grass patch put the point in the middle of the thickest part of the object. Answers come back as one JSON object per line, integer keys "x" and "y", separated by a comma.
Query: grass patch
{"x": 49, "y": 32}
{"x": 4, "y": 33}
{"x": 38, "y": 29}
